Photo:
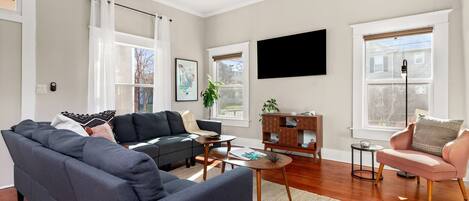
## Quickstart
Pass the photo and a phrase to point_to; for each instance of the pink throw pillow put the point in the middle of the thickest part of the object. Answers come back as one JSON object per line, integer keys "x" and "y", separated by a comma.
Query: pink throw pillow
{"x": 103, "y": 130}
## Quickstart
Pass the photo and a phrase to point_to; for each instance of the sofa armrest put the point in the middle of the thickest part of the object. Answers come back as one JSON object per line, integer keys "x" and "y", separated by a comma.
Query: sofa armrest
{"x": 234, "y": 185}
{"x": 456, "y": 152}
{"x": 402, "y": 140}
{"x": 209, "y": 125}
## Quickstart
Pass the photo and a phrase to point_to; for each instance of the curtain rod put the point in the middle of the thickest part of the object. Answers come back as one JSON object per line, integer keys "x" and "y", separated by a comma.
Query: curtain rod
{"x": 136, "y": 10}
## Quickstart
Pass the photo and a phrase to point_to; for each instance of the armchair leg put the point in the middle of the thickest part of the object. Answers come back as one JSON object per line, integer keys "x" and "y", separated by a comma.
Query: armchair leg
{"x": 429, "y": 189}
{"x": 463, "y": 188}
{"x": 380, "y": 173}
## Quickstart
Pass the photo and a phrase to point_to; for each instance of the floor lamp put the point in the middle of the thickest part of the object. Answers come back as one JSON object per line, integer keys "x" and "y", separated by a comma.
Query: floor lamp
{"x": 404, "y": 75}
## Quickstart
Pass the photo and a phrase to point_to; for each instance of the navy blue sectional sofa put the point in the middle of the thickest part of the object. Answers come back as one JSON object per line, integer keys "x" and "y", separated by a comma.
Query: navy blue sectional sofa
{"x": 59, "y": 165}
{"x": 161, "y": 135}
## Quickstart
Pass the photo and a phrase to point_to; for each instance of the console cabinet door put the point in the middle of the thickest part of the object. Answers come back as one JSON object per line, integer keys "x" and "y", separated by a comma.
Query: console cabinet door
{"x": 270, "y": 124}
{"x": 306, "y": 123}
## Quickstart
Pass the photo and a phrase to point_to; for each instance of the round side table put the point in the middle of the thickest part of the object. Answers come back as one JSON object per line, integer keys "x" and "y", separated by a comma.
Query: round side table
{"x": 372, "y": 149}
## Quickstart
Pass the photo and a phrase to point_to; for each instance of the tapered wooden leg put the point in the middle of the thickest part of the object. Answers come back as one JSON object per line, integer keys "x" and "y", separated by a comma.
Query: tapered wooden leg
{"x": 418, "y": 179}
{"x": 380, "y": 173}
{"x": 284, "y": 172}
{"x": 463, "y": 188}
{"x": 223, "y": 164}
{"x": 258, "y": 183}
{"x": 206, "y": 146}
{"x": 429, "y": 189}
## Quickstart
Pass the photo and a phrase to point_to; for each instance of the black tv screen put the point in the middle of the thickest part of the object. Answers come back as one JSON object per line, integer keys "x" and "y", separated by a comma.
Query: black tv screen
{"x": 291, "y": 56}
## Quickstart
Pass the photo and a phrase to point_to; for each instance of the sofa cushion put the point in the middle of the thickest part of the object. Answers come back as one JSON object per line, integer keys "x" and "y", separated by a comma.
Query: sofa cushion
{"x": 151, "y": 125}
{"x": 167, "y": 177}
{"x": 170, "y": 144}
{"x": 67, "y": 142}
{"x": 147, "y": 148}
{"x": 136, "y": 168}
{"x": 418, "y": 163}
{"x": 124, "y": 130}
{"x": 175, "y": 122}
{"x": 42, "y": 134}
{"x": 432, "y": 134}
{"x": 25, "y": 128}
{"x": 177, "y": 185}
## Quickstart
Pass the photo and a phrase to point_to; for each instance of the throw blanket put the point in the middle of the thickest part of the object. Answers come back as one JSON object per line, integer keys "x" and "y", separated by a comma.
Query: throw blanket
{"x": 190, "y": 124}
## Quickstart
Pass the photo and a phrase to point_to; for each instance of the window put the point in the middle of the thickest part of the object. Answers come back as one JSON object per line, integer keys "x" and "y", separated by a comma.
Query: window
{"x": 419, "y": 58}
{"x": 378, "y": 87}
{"x": 135, "y": 72}
{"x": 10, "y": 5}
{"x": 229, "y": 65}
{"x": 385, "y": 90}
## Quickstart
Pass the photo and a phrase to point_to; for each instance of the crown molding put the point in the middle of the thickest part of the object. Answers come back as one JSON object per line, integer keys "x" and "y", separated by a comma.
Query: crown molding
{"x": 208, "y": 14}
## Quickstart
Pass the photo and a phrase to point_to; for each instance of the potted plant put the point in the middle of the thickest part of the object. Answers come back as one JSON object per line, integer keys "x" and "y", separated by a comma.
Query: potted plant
{"x": 270, "y": 106}
{"x": 211, "y": 94}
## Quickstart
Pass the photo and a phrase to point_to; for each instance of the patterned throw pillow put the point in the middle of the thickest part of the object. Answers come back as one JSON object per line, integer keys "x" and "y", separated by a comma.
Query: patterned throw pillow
{"x": 432, "y": 134}
{"x": 92, "y": 120}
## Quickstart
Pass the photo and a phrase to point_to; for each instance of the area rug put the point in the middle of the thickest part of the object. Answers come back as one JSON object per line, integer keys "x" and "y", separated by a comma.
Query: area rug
{"x": 270, "y": 191}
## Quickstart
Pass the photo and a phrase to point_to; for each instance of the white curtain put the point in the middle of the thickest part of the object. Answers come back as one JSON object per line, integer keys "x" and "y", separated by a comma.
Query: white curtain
{"x": 162, "y": 95}
{"x": 101, "y": 90}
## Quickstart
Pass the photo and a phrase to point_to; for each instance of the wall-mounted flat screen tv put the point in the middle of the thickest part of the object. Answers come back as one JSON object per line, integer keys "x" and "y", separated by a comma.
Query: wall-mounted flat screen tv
{"x": 292, "y": 56}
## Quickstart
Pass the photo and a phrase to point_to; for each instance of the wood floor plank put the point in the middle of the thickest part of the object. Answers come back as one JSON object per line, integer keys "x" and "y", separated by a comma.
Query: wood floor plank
{"x": 333, "y": 179}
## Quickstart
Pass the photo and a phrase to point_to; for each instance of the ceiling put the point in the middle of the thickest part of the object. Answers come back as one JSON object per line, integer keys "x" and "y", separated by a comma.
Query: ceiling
{"x": 207, "y": 8}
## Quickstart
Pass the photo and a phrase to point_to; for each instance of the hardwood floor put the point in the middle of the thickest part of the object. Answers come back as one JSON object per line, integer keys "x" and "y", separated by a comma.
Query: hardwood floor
{"x": 333, "y": 179}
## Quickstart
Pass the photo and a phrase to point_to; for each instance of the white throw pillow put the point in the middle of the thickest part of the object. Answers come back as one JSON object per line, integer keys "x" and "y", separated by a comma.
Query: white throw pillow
{"x": 62, "y": 122}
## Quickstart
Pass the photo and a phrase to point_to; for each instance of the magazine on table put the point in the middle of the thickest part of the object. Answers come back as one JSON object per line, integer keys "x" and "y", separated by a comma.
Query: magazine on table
{"x": 247, "y": 154}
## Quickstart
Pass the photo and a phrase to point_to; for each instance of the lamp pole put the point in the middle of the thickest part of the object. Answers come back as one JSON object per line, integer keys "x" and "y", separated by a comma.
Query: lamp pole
{"x": 404, "y": 74}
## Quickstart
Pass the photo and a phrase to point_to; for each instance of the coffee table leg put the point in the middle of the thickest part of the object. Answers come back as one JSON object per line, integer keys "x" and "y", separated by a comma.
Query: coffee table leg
{"x": 206, "y": 146}
{"x": 259, "y": 177}
{"x": 284, "y": 172}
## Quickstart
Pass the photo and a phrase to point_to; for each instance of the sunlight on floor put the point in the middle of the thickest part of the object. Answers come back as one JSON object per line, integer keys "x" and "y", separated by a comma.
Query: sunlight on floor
{"x": 201, "y": 172}
{"x": 402, "y": 198}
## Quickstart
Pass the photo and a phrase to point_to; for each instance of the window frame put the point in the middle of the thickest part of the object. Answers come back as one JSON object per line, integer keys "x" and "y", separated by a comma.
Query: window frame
{"x": 226, "y": 50}
{"x": 438, "y": 104}
{"x": 14, "y": 16}
{"x": 135, "y": 41}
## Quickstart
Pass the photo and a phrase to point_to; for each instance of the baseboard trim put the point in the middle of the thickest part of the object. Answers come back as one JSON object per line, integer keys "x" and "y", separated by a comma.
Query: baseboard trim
{"x": 329, "y": 154}
{"x": 7, "y": 186}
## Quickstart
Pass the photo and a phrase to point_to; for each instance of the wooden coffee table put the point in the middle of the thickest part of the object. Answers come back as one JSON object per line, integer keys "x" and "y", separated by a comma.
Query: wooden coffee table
{"x": 207, "y": 142}
{"x": 220, "y": 153}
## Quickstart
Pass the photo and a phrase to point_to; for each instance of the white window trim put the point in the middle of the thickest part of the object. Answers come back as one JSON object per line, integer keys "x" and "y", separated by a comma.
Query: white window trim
{"x": 135, "y": 41}
{"x": 26, "y": 16}
{"x": 439, "y": 90}
{"x": 230, "y": 49}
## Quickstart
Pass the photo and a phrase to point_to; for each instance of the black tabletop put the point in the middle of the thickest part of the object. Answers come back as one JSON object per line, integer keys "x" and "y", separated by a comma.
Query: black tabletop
{"x": 372, "y": 147}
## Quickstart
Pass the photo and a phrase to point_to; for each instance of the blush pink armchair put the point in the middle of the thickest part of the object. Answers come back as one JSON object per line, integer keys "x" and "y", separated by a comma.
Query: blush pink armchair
{"x": 452, "y": 165}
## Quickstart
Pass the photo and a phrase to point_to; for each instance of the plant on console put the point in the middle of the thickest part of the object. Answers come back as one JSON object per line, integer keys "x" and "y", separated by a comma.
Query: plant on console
{"x": 270, "y": 106}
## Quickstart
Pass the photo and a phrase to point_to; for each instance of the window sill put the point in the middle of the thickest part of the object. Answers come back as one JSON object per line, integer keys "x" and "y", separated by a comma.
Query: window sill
{"x": 233, "y": 122}
{"x": 373, "y": 134}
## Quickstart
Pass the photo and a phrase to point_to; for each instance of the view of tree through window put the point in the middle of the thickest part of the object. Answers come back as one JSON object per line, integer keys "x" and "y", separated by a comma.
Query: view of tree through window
{"x": 230, "y": 72}
{"x": 385, "y": 88}
{"x": 134, "y": 79}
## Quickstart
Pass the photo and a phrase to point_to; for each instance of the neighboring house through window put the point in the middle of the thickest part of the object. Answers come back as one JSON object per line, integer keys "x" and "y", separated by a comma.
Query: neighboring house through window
{"x": 378, "y": 87}
{"x": 230, "y": 65}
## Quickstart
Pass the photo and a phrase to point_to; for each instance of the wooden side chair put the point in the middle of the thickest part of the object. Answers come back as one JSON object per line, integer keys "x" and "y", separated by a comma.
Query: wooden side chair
{"x": 452, "y": 164}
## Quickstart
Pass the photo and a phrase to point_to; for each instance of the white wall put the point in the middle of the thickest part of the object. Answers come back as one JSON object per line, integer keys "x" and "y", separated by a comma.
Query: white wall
{"x": 62, "y": 44}
{"x": 10, "y": 90}
{"x": 330, "y": 95}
